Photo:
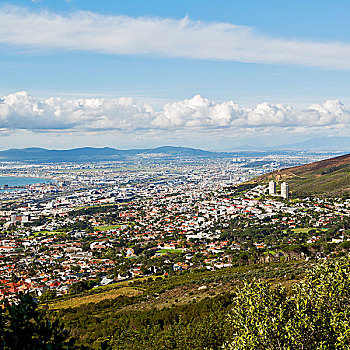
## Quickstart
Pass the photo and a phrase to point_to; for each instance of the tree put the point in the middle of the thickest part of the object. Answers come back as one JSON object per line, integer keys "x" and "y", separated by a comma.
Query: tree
{"x": 24, "y": 327}
{"x": 48, "y": 295}
{"x": 83, "y": 286}
{"x": 314, "y": 315}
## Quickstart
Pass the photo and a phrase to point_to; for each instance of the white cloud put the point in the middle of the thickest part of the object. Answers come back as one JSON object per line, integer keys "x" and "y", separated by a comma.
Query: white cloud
{"x": 197, "y": 112}
{"x": 22, "y": 111}
{"x": 164, "y": 37}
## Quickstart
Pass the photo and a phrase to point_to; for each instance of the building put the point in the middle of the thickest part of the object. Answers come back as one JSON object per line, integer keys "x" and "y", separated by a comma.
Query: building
{"x": 284, "y": 190}
{"x": 25, "y": 218}
{"x": 272, "y": 188}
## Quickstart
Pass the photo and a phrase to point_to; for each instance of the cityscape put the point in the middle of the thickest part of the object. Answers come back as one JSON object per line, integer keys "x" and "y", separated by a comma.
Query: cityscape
{"x": 174, "y": 175}
{"x": 113, "y": 221}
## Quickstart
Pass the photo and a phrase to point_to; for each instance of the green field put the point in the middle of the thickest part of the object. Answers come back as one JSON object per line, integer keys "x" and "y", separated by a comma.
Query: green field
{"x": 107, "y": 228}
{"x": 307, "y": 229}
{"x": 95, "y": 205}
{"x": 45, "y": 233}
{"x": 302, "y": 230}
{"x": 166, "y": 251}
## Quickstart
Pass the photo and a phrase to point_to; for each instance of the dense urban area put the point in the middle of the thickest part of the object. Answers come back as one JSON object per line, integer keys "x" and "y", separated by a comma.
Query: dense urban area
{"x": 174, "y": 248}
{"x": 106, "y": 222}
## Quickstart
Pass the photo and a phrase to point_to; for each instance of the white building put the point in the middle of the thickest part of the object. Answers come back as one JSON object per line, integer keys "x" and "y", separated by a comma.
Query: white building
{"x": 272, "y": 188}
{"x": 284, "y": 190}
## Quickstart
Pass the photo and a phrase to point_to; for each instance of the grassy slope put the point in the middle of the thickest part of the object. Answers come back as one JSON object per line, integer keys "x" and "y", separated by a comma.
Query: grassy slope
{"x": 95, "y": 297}
{"x": 329, "y": 177}
{"x": 96, "y": 313}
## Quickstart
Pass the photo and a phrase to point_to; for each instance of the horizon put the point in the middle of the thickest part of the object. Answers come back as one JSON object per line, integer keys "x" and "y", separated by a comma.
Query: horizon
{"x": 168, "y": 169}
{"x": 298, "y": 147}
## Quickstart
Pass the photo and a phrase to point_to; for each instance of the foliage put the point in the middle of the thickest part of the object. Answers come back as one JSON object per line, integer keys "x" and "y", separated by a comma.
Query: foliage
{"x": 332, "y": 169}
{"x": 243, "y": 187}
{"x": 315, "y": 314}
{"x": 133, "y": 322}
{"x": 256, "y": 314}
{"x": 49, "y": 295}
{"x": 24, "y": 327}
{"x": 82, "y": 286}
{"x": 192, "y": 326}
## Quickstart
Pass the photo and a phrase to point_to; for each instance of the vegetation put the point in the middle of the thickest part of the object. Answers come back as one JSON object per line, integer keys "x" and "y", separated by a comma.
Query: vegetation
{"x": 106, "y": 228}
{"x": 256, "y": 313}
{"x": 165, "y": 251}
{"x": 314, "y": 314}
{"x": 248, "y": 307}
{"x": 23, "y": 327}
{"x": 330, "y": 177}
{"x": 95, "y": 298}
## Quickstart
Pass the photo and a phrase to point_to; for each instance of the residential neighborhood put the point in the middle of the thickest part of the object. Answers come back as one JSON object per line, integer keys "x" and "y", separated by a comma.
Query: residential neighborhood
{"x": 138, "y": 224}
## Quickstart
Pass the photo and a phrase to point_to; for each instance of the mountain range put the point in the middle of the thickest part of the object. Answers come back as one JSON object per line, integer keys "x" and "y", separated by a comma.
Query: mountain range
{"x": 34, "y": 154}
{"x": 320, "y": 143}
{"x": 331, "y": 143}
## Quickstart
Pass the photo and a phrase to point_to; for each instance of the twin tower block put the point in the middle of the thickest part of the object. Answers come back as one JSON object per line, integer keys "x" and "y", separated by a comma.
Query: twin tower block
{"x": 284, "y": 189}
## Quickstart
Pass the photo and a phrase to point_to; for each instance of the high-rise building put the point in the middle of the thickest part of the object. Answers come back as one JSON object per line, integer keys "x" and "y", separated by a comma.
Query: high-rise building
{"x": 272, "y": 188}
{"x": 284, "y": 190}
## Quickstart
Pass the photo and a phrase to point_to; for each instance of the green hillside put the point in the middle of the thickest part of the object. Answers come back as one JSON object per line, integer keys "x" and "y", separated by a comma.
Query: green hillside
{"x": 185, "y": 311}
{"x": 249, "y": 307}
{"x": 330, "y": 177}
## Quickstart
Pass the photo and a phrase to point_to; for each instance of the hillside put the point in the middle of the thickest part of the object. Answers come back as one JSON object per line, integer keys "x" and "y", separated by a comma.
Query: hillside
{"x": 207, "y": 310}
{"x": 329, "y": 177}
{"x": 164, "y": 313}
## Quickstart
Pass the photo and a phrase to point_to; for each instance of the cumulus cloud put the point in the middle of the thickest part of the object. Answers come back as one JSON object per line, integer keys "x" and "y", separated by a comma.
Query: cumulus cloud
{"x": 198, "y": 112}
{"x": 185, "y": 38}
{"x": 22, "y": 111}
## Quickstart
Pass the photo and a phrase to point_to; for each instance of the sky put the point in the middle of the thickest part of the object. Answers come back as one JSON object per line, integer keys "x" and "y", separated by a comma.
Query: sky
{"x": 198, "y": 73}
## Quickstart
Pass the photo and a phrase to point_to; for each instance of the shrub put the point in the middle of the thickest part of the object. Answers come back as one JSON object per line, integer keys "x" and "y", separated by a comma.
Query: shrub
{"x": 315, "y": 314}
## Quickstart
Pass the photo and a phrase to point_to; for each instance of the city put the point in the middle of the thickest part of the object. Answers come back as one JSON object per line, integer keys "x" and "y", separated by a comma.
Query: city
{"x": 174, "y": 175}
{"x": 95, "y": 222}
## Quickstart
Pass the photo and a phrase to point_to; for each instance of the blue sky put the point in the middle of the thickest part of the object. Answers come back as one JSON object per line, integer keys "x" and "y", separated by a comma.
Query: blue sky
{"x": 284, "y": 53}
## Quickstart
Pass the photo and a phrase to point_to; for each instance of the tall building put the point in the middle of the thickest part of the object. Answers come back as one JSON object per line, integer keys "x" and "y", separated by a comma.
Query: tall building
{"x": 272, "y": 188}
{"x": 284, "y": 190}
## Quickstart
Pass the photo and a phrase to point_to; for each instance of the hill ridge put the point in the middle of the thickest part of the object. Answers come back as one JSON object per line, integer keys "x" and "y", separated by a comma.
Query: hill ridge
{"x": 328, "y": 177}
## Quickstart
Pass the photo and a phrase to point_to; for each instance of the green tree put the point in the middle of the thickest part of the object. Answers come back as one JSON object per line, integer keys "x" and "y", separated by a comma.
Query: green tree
{"x": 24, "y": 327}
{"x": 48, "y": 296}
{"x": 315, "y": 314}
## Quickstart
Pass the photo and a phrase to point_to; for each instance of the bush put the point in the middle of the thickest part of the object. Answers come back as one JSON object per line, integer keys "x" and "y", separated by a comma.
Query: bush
{"x": 23, "y": 327}
{"x": 315, "y": 314}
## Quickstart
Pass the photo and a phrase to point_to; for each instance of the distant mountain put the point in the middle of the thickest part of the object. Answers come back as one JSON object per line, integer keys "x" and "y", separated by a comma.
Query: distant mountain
{"x": 332, "y": 143}
{"x": 181, "y": 151}
{"x": 38, "y": 155}
{"x": 42, "y": 154}
{"x": 329, "y": 177}
{"x": 94, "y": 154}
{"x": 320, "y": 143}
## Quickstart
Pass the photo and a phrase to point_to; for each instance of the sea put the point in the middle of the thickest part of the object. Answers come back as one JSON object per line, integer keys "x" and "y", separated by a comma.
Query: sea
{"x": 13, "y": 181}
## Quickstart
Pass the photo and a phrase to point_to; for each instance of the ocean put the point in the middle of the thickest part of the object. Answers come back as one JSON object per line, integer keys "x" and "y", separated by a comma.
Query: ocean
{"x": 20, "y": 181}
